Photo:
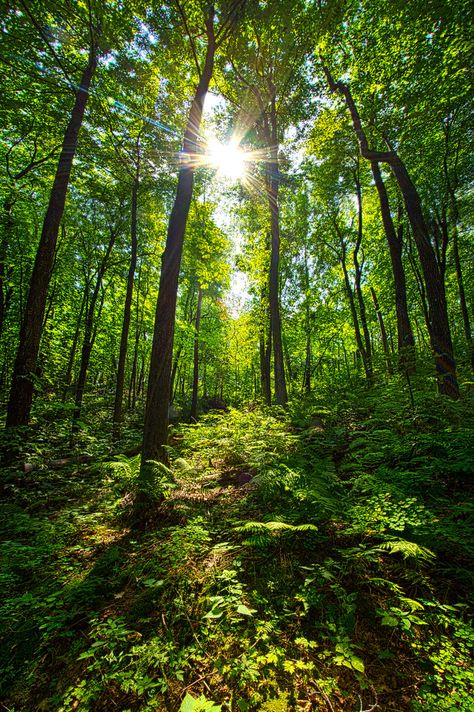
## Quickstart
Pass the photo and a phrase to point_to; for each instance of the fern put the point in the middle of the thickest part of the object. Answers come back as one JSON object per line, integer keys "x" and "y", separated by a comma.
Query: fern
{"x": 262, "y": 533}
{"x": 274, "y": 526}
{"x": 408, "y": 549}
{"x": 126, "y": 471}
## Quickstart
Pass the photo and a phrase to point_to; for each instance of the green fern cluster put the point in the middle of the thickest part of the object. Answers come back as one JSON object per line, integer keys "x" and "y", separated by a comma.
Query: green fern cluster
{"x": 126, "y": 471}
{"x": 263, "y": 533}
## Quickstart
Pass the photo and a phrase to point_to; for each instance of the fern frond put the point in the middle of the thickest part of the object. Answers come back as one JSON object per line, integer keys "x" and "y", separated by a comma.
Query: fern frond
{"x": 408, "y": 549}
{"x": 275, "y": 526}
{"x": 182, "y": 465}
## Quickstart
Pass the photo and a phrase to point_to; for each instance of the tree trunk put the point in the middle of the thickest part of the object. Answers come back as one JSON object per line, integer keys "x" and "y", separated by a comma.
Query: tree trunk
{"x": 174, "y": 371}
{"x": 440, "y": 334}
{"x": 21, "y": 394}
{"x": 89, "y": 335}
{"x": 358, "y": 280}
{"x": 155, "y": 431}
{"x": 307, "y": 366}
{"x": 272, "y": 188}
{"x": 265, "y": 360}
{"x": 405, "y": 338}
{"x": 306, "y": 385}
{"x": 460, "y": 281}
{"x": 194, "y": 401}
{"x": 5, "y": 292}
{"x": 118, "y": 413}
{"x": 355, "y": 319}
{"x": 383, "y": 332}
{"x": 72, "y": 353}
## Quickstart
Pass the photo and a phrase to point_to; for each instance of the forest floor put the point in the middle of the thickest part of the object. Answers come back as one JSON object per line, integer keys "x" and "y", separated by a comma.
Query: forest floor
{"x": 301, "y": 561}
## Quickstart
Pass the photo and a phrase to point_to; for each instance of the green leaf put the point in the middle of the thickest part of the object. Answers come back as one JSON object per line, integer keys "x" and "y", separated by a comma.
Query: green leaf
{"x": 214, "y": 613}
{"x": 244, "y": 611}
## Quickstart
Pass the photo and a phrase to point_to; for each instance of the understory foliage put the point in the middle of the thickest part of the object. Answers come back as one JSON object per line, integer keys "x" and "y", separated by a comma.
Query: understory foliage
{"x": 303, "y": 560}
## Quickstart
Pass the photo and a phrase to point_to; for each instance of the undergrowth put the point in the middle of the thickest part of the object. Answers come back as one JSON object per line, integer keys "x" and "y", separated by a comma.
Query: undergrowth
{"x": 314, "y": 560}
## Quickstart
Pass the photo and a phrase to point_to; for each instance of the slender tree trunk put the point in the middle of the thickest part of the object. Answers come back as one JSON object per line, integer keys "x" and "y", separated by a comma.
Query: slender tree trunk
{"x": 194, "y": 400}
{"x": 306, "y": 385}
{"x": 307, "y": 366}
{"x": 155, "y": 431}
{"x": 141, "y": 377}
{"x": 272, "y": 188}
{"x": 440, "y": 334}
{"x": 383, "y": 332}
{"x": 405, "y": 338}
{"x": 355, "y": 319}
{"x": 358, "y": 281}
{"x": 358, "y": 266}
{"x": 287, "y": 358}
{"x": 420, "y": 285}
{"x": 21, "y": 394}
{"x": 118, "y": 413}
{"x": 460, "y": 280}
{"x": 89, "y": 335}
{"x": 7, "y": 230}
{"x": 173, "y": 373}
{"x": 133, "y": 373}
{"x": 265, "y": 360}
{"x": 204, "y": 374}
{"x": 72, "y": 353}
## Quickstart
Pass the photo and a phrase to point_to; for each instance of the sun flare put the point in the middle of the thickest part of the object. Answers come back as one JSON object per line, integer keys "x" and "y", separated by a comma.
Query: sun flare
{"x": 227, "y": 158}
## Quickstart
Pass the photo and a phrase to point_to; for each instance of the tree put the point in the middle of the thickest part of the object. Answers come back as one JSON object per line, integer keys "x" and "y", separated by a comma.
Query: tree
{"x": 440, "y": 334}
{"x": 94, "y": 38}
{"x": 155, "y": 431}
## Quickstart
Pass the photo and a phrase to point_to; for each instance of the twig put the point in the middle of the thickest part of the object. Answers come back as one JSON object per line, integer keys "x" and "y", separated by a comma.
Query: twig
{"x": 200, "y": 679}
{"x": 374, "y": 706}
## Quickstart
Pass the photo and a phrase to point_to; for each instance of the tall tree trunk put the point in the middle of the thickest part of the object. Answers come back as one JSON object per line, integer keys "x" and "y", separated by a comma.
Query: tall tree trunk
{"x": 72, "y": 353}
{"x": 194, "y": 401}
{"x": 272, "y": 188}
{"x": 459, "y": 278}
{"x": 307, "y": 366}
{"x": 118, "y": 413}
{"x": 265, "y": 360}
{"x": 383, "y": 332}
{"x": 355, "y": 318}
{"x": 405, "y": 338}
{"x": 358, "y": 279}
{"x": 174, "y": 371}
{"x": 306, "y": 385}
{"x": 90, "y": 334}
{"x": 7, "y": 230}
{"x": 155, "y": 430}
{"x": 21, "y": 393}
{"x": 440, "y": 333}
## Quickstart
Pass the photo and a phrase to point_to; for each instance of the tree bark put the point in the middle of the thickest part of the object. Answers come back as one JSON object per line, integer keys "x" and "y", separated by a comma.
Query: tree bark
{"x": 460, "y": 279}
{"x": 21, "y": 393}
{"x": 440, "y": 334}
{"x": 265, "y": 357}
{"x": 155, "y": 431}
{"x": 383, "y": 332}
{"x": 405, "y": 338}
{"x": 358, "y": 281}
{"x": 5, "y": 292}
{"x": 306, "y": 384}
{"x": 355, "y": 319}
{"x": 118, "y": 404}
{"x": 89, "y": 335}
{"x": 272, "y": 188}
{"x": 72, "y": 353}
{"x": 194, "y": 400}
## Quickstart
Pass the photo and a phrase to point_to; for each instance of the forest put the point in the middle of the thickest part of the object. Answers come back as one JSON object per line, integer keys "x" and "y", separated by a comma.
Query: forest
{"x": 236, "y": 356}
